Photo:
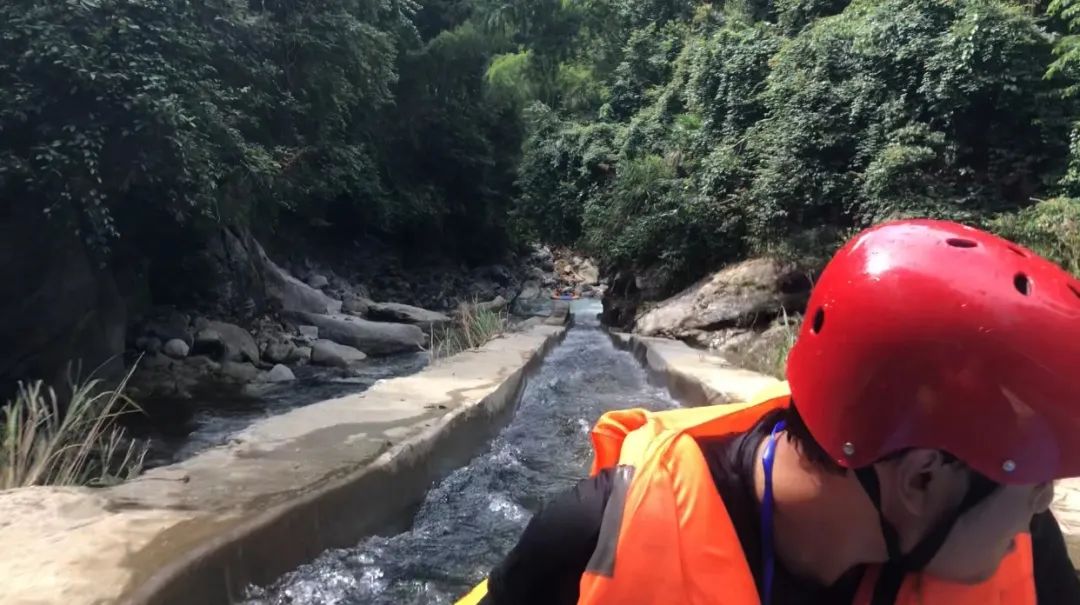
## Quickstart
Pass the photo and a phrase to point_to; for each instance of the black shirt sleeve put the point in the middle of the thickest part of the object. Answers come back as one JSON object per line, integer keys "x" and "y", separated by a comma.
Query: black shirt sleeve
{"x": 545, "y": 567}
{"x": 1056, "y": 582}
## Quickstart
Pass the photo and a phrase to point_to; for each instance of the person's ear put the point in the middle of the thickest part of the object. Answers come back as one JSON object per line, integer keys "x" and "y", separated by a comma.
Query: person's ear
{"x": 921, "y": 476}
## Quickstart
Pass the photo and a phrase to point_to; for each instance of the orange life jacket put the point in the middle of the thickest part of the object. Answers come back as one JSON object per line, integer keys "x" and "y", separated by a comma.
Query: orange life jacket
{"x": 666, "y": 537}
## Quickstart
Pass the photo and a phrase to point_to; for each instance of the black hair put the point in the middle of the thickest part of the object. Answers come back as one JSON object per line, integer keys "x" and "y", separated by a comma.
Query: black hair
{"x": 810, "y": 449}
{"x": 812, "y": 452}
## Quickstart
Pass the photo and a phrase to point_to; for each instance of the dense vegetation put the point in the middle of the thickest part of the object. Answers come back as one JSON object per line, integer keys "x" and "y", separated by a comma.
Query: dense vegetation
{"x": 654, "y": 133}
{"x": 127, "y": 121}
{"x": 713, "y": 131}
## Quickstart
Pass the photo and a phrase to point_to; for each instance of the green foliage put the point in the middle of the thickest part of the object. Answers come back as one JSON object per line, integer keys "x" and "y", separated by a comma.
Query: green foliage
{"x": 562, "y": 163}
{"x": 781, "y": 127}
{"x": 42, "y": 443}
{"x": 122, "y": 120}
{"x": 1066, "y": 65}
{"x": 655, "y": 132}
{"x": 1051, "y": 228}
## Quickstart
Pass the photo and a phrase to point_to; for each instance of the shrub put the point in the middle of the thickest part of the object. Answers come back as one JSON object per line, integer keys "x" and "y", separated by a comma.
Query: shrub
{"x": 473, "y": 327}
{"x": 1050, "y": 227}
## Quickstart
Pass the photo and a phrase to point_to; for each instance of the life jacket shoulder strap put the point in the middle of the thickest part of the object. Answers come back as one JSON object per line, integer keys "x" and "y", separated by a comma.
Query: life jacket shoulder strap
{"x": 609, "y": 436}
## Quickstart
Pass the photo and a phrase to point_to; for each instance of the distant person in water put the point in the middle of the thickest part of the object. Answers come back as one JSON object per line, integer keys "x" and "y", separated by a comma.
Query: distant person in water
{"x": 933, "y": 397}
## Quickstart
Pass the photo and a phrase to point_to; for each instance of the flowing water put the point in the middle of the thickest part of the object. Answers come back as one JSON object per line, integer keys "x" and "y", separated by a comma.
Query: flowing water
{"x": 471, "y": 519}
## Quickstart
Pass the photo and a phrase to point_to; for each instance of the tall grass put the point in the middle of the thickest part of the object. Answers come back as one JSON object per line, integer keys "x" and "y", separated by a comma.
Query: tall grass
{"x": 45, "y": 443}
{"x": 473, "y": 327}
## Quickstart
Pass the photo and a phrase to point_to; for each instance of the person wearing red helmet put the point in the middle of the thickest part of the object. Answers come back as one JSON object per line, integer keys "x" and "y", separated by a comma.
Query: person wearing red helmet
{"x": 933, "y": 397}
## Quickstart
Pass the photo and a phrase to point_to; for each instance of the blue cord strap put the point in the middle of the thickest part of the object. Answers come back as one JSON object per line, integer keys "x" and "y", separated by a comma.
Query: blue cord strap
{"x": 768, "y": 557}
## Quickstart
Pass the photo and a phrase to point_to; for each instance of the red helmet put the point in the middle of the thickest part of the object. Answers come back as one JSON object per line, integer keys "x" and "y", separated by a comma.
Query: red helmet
{"x": 934, "y": 335}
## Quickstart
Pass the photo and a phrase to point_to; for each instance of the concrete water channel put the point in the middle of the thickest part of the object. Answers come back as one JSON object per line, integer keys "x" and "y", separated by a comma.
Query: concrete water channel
{"x": 469, "y": 520}
{"x": 437, "y": 466}
{"x": 405, "y": 494}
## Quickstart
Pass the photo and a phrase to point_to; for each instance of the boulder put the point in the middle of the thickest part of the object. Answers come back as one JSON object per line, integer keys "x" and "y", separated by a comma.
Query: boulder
{"x": 277, "y": 351}
{"x": 620, "y": 306}
{"x": 209, "y": 343}
{"x": 496, "y": 304}
{"x": 239, "y": 372}
{"x": 588, "y": 272}
{"x": 309, "y": 332}
{"x": 158, "y": 375}
{"x": 300, "y": 355}
{"x": 530, "y": 290}
{"x": 406, "y": 314}
{"x": 279, "y": 373}
{"x": 357, "y": 305}
{"x": 59, "y": 306}
{"x": 373, "y": 338}
{"x": 651, "y": 283}
{"x": 746, "y": 294}
{"x": 317, "y": 281}
{"x": 176, "y": 348}
{"x": 288, "y": 292}
{"x": 500, "y": 274}
{"x": 542, "y": 258}
{"x": 239, "y": 344}
{"x": 328, "y": 353}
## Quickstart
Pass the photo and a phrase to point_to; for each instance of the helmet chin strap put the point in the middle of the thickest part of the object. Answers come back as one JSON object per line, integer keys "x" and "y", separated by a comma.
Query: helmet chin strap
{"x": 900, "y": 563}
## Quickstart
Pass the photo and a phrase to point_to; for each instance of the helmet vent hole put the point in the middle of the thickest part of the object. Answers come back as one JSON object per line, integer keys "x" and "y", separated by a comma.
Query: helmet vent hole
{"x": 819, "y": 321}
{"x": 1017, "y": 251}
{"x": 1075, "y": 290}
{"x": 959, "y": 242}
{"x": 1022, "y": 283}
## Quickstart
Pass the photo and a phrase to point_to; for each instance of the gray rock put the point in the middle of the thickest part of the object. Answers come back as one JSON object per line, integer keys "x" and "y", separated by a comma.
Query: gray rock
{"x": 300, "y": 355}
{"x": 497, "y": 304}
{"x": 588, "y": 271}
{"x": 328, "y": 353}
{"x": 289, "y": 293}
{"x": 209, "y": 343}
{"x": 737, "y": 296}
{"x": 502, "y": 275}
{"x": 279, "y": 373}
{"x": 309, "y": 332}
{"x": 277, "y": 352}
{"x": 176, "y": 348}
{"x": 317, "y": 281}
{"x": 407, "y": 314}
{"x": 233, "y": 343}
{"x": 652, "y": 282}
{"x": 58, "y": 304}
{"x": 373, "y": 338}
{"x": 239, "y": 372}
{"x": 530, "y": 290}
{"x": 542, "y": 257}
{"x": 357, "y": 305}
